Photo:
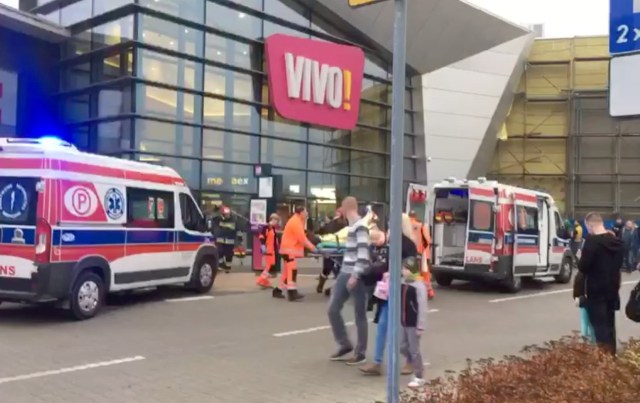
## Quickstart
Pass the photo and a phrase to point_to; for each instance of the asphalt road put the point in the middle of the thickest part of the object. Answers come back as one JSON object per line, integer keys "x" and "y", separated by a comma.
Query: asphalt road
{"x": 239, "y": 345}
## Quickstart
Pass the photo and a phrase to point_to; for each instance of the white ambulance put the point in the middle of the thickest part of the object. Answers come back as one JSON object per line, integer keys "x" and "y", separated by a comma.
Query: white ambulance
{"x": 485, "y": 230}
{"x": 76, "y": 226}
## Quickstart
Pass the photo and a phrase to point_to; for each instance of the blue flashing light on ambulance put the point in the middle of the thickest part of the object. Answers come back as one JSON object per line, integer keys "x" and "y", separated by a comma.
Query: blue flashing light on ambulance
{"x": 75, "y": 227}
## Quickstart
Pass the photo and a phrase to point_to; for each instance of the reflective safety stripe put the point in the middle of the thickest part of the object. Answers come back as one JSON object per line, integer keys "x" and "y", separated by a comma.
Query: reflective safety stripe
{"x": 226, "y": 241}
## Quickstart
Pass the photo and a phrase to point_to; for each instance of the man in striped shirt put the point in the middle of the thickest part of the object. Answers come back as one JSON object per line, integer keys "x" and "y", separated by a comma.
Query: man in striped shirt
{"x": 348, "y": 284}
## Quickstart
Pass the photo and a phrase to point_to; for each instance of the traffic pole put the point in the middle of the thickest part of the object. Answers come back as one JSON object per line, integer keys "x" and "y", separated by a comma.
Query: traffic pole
{"x": 395, "y": 197}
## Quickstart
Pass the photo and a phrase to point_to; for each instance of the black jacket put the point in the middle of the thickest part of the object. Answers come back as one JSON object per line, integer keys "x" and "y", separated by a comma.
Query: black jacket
{"x": 379, "y": 268}
{"x": 225, "y": 230}
{"x": 332, "y": 226}
{"x": 409, "y": 306}
{"x": 617, "y": 229}
{"x": 381, "y": 265}
{"x": 600, "y": 263}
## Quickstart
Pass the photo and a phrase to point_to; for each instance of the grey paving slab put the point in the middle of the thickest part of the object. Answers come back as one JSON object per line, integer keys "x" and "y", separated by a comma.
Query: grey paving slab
{"x": 224, "y": 350}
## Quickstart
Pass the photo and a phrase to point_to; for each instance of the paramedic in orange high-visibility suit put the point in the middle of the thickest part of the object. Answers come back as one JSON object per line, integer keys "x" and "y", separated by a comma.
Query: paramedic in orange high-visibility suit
{"x": 294, "y": 241}
{"x": 422, "y": 239}
{"x": 269, "y": 241}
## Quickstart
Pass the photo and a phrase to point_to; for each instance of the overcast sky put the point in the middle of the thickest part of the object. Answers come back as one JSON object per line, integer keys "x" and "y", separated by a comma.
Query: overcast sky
{"x": 13, "y": 3}
{"x": 562, "y": 18}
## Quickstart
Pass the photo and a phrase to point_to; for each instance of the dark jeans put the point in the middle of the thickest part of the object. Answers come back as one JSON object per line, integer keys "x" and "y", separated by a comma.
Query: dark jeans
{"x": 602, "y": 315}
{"x": 630, "y": 259}
{"x": 329, "y": 268}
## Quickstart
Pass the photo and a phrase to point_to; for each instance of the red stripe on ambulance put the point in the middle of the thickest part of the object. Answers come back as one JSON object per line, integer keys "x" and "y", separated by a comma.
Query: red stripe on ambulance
{"x": 482, "y": 192}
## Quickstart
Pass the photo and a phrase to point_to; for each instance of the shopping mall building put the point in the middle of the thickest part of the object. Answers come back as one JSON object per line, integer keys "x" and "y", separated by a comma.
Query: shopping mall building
{"x": 183, "y": 83}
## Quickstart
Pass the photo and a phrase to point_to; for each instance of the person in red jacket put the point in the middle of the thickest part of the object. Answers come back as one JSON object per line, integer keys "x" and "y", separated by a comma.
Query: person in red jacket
{"x": 269, "y": 241}
{"x": 294, "y": 242}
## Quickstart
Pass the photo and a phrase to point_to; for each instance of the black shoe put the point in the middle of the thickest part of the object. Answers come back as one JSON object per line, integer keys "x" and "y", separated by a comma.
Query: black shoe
{"x": 341, "y": 354}
{"x": 327, "y": 292}
{"x": 294, "y": 295}
{"x": 277, "y": 293}
{"x": 321, "y": 282}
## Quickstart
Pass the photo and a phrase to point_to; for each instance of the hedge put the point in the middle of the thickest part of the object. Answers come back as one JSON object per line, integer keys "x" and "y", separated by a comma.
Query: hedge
{"x": 564, "y": 371}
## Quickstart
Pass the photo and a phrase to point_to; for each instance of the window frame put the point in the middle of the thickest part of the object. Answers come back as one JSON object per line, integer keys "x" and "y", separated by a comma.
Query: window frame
{"x": 30, "y": 185}
{"x": 186, "y": 199}
{"x": 532, "y": 227}
{"x": 472, "y": 215}
{"x": 167, "y": 196}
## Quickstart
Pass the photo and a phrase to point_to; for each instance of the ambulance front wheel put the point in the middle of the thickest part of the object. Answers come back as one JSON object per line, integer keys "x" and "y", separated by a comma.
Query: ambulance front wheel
{"x": 566, "y": 271}
{"x": 87, "y": 296}
{"x": 204, "y": 275}
{"x": 443, "y": 280}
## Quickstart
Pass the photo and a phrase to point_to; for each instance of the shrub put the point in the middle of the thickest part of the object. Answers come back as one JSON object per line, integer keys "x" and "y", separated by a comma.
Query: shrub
{"x": 564, "y": 371}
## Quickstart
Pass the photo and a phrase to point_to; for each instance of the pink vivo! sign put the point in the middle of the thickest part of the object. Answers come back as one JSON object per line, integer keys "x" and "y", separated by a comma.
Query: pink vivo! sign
{"x": 315, "y": 82}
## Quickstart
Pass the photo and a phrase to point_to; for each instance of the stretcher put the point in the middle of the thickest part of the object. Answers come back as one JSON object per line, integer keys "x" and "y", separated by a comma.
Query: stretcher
{"x": 330, "y": 252}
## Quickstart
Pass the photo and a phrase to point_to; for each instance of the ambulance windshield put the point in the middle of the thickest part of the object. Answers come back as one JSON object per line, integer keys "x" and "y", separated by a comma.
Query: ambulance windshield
{"x": 18, "y": 201}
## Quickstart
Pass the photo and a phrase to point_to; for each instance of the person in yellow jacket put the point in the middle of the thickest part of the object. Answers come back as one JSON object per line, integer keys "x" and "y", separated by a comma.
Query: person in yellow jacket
{"x": 422, "y": 239}
{"x": 294, "y": 242}
{"x": 576, "y": 241}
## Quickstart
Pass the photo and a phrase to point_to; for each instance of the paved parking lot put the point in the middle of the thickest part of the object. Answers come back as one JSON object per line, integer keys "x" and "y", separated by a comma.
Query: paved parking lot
{"x": 240, "y": 345}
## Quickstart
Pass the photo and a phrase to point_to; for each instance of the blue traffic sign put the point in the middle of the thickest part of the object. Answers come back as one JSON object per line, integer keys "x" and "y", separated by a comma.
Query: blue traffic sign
{"x": 624, "y": 26}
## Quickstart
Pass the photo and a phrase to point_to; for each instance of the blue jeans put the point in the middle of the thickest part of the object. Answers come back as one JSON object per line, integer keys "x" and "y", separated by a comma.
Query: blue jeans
{"x": 586, "y": 330}
{"x": 339, "y": 296}
{"x": 381, "y": 336}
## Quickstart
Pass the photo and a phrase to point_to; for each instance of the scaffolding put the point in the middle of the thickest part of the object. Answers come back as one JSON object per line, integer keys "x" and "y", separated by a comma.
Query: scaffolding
{"x": 559, "y": 136}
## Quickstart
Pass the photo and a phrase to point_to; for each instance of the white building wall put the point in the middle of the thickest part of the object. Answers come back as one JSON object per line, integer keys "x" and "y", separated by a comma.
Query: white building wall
{"x": 464, "y": 105}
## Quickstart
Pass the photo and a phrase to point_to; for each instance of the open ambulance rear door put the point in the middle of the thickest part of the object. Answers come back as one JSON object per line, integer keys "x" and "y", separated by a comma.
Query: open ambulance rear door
{"x": 480, "y": 240}
{"x": 526, "y": 245}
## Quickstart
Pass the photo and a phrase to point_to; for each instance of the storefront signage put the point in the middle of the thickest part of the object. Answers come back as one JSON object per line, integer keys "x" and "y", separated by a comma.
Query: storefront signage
{"x": 235, "y": 181}
{"x": 314, "y": 81}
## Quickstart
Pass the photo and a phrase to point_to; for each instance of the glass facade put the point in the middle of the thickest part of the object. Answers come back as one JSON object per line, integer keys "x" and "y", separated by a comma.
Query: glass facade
{"x": 182, "y": 83}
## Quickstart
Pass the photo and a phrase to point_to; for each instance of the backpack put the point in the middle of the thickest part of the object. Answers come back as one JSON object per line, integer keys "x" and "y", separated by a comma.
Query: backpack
{"x": 633, "y": 306}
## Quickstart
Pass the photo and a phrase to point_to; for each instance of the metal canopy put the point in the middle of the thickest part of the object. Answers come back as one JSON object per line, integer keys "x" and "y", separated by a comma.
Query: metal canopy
{"x": 439, "y": 32}
{"x": 31, "y": 25}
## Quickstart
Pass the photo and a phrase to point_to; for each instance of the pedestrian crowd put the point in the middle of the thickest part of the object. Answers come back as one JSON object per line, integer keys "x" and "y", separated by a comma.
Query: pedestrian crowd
{"x": 361, "y": 269}
{"x": 602, "y": 256}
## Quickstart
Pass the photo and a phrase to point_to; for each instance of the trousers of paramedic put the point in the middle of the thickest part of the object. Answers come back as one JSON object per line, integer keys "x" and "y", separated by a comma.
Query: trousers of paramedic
{"x": 292, "y": 246}
{"x": 269, "y": 241}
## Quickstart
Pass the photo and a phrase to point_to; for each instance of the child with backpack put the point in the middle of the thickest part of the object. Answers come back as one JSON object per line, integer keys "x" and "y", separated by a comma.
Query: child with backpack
{"x": 413, "y": 320}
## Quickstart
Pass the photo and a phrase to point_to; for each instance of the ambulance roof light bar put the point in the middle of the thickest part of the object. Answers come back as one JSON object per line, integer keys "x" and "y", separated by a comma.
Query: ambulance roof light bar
{"x": 47, "y": 142}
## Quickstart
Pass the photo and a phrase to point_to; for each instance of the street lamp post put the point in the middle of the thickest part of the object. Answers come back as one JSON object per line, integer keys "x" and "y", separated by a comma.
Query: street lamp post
{"x": 395, "y": 197}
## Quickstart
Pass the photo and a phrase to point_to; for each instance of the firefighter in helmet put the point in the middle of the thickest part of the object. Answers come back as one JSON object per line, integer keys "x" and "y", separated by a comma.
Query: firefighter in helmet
{"x": 225, "y": 233}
